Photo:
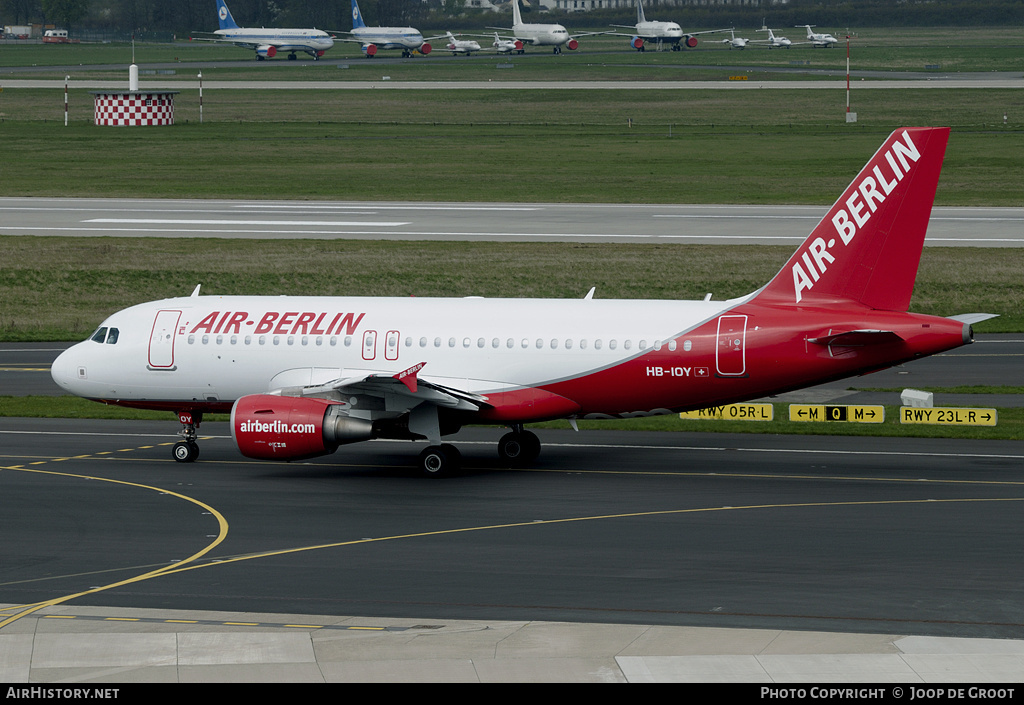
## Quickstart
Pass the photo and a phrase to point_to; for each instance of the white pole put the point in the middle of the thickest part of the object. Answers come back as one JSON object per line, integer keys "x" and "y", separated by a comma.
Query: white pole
{"x": 200, "y": 97}
{"x": 847, "y": 73}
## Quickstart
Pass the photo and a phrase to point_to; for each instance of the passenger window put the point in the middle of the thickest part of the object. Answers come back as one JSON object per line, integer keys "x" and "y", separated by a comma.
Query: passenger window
{"x": 112, "y": 336}
{"x": 99, "y": 335}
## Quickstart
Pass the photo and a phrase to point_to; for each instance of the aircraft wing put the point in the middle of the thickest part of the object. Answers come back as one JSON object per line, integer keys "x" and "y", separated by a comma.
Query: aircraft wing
{"x": 706, "y": 31}
{"x": 405, "y": 389}
{"x": 237, "y": 42}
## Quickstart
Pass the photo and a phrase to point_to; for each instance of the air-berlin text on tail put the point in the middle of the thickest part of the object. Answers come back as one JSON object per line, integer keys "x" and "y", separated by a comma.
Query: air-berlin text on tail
{"x": 864, "y": 199}
{"x": 279, "y": 323}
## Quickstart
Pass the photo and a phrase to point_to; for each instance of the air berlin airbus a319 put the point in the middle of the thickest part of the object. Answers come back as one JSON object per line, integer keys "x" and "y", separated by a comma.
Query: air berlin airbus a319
{"x": 304, "y": 375}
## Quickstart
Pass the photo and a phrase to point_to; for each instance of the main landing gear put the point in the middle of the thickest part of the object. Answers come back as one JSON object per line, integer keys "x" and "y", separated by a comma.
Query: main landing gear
{"x": 517, "y": 449}
{"x": 187, "y": 450}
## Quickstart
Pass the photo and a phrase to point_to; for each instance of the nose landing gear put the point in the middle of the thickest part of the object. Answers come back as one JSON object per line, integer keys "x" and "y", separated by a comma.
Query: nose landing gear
{"x": 187, "y": 450}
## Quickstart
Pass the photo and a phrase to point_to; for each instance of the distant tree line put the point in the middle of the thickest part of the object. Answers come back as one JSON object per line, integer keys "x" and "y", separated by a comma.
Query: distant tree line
{"x": 185, "y": 16}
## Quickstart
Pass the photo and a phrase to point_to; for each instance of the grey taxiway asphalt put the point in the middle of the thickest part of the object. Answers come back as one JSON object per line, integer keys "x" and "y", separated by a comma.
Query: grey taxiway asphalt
{"x": 618, "y": 557}
{"x": 711, "y": 224}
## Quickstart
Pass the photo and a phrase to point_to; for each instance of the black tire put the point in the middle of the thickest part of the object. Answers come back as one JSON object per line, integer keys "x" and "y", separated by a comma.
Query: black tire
{"x": 519, "y": 449}
{"x": 185, "y": 451}
{"x": 440, "y": 461}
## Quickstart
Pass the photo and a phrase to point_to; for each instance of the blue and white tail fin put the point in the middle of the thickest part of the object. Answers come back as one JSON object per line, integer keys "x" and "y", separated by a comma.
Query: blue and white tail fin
{"x": 357, "y": 16}
{"x": 517, "y": 17}
{"x": 224, "y": 16}
{"x": 640, "y": 13}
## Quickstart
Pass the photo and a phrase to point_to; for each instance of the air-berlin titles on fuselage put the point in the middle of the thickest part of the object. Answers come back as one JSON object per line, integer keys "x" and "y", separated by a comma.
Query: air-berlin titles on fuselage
{"x": 279, "y": 323}
{"x": 817, "y": 256}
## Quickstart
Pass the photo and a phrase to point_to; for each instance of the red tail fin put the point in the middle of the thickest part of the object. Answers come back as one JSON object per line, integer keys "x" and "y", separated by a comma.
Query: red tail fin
{"x": 867, "y": 248}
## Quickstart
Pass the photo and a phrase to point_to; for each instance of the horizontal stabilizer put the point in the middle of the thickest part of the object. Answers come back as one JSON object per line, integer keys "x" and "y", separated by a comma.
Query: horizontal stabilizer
{"x": 858, "y": 338}
{"x": 972, "y": 318}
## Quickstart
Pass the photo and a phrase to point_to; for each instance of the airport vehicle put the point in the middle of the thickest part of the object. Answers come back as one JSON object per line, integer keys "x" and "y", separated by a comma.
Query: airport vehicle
{"x": 268, "y": 42}
{"x": 823, "y": 40}
{"x": 56, "y": 36}
{"x": 548, "y": 35}
{"x": 507, "y": 46}
{"x": 373, "y": 39}
{"x": 735, "y": 42}
{"x": 302, "y": 376}
{"x": 461, "y": 46}
{"x": 659, "y": 32}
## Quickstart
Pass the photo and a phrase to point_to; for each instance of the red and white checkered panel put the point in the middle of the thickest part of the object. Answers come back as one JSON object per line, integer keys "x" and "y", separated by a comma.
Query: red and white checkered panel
{"x": 134, "y": 109}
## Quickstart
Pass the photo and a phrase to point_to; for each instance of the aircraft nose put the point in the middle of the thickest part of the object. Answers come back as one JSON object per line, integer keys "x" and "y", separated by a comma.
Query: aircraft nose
{"x": 66, "y": 370}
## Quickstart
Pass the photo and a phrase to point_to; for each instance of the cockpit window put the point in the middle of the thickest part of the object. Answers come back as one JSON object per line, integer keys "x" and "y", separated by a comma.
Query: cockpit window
{"x": 99, "y": 335}
{"x": 112, "y": 336}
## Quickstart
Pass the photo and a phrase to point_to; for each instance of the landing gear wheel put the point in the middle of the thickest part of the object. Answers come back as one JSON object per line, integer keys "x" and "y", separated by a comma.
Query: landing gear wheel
{"x": 440, "y": 461}
{"x": 185, "y": 451}
{"x": 519, "y": 448}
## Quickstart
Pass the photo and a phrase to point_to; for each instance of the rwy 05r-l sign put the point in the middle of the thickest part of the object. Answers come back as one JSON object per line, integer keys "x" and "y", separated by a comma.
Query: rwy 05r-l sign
{"x": 733, "y": 412}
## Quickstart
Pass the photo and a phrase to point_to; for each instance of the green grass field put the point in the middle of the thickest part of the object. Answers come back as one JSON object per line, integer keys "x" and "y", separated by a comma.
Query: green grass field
{"x": 61, "y": 288}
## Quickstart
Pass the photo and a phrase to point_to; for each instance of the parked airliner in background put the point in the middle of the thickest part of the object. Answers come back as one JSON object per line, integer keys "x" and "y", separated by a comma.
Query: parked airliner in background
{"x": 660, "y": 32}
{"x": 542, "y": 35}
{"x": 304, "y": 375}
{"x": 507, "y": 46}
{"x": 819, "y": 40}
{"x": 461, "y": 46}
{"x": 373, "y": 39}
{"x": 267, "y": 43}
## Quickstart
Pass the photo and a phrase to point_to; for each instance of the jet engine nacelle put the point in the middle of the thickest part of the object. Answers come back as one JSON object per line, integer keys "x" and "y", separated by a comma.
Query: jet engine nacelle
{"x": 637, "y": 43}
{"x": 572, "y": 44}
{"x": 271, "y": 427}
{"x": 370, "y": 50}
{"x": 425, "y": 48}
{"x": 519, "y": 45}
{"x": 690, "y": 41}
{"x": 266, "y": 51}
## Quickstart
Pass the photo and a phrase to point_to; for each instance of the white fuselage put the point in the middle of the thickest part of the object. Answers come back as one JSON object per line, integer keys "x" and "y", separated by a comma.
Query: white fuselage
{"x": 819, "y": 39}
{"x": 213, "y": 350}
{"x": 461, "y": 46}
{"x": 659, "y": 31}
{"x": 390, "y": 37}
{"x": 541, "y": 34}
{"x": 286, "y": 40}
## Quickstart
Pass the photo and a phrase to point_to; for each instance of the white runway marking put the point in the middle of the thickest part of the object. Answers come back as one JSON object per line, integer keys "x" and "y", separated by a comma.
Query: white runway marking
{"x": 323, "y": 223}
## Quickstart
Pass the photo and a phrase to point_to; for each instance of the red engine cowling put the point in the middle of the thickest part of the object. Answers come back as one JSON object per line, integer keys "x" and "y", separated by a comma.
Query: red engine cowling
{"x": 572, "y": 44}
{"x": 270, "y": 427}
{"x": 691, "y": 41}
{"x": 267, "y": 50}
{"x": 425, "y": 48}
{"x": 519, "y": 45}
